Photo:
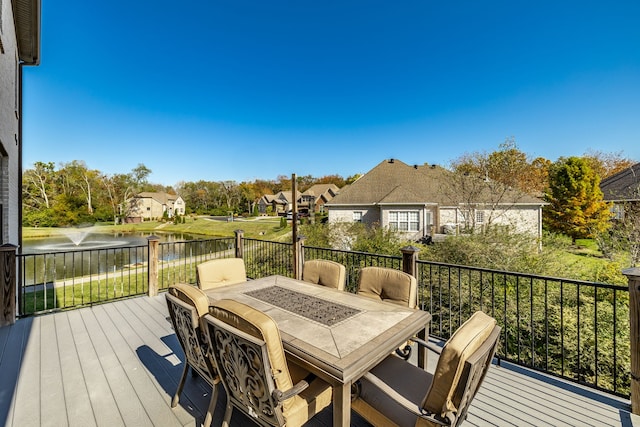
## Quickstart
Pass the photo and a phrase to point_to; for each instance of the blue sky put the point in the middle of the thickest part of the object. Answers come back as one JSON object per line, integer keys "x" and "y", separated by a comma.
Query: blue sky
{"x": 241, "y": 90}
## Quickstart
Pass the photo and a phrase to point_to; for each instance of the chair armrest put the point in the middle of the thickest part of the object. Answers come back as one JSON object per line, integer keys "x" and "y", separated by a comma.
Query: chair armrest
{"x": 280, "y": 396}
{"x": 427, "y": 345}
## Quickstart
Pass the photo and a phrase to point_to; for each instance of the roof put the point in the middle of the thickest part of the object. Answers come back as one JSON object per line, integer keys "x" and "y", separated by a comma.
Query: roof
{"x": 26, "y": 15}
{"x": 160, "y": 197}
{"x": 395, "y": 182}
{"x": 624, "y": 185}
{"x": 318, "y": 190}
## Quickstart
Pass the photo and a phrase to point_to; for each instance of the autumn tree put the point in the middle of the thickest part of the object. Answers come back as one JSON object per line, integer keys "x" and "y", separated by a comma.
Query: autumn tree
{"x": 507, "y": 165}
{"x": 607, "y": 164}
{"x": 576, "y": 206}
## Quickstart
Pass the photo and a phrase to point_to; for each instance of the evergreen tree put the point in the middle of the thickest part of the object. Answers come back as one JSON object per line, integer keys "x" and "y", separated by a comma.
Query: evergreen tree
{"x": 576, "y": 207}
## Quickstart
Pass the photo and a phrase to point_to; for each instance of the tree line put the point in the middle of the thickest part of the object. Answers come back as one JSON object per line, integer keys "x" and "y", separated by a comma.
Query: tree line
{"x": 72, "y": 193}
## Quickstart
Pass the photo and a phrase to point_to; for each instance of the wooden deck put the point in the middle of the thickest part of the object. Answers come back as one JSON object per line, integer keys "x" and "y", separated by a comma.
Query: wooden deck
{"x": 118, "y": 364}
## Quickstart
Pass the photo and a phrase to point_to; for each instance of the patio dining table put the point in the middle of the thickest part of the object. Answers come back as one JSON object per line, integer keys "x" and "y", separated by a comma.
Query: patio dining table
{"x": 336, "y": 335}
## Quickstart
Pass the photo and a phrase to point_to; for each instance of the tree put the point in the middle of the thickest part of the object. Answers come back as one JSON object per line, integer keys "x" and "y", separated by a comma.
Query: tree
{"x": 607, "y": 164}
{"x": 507, "y": 165}
{"x": 576, "y": 207}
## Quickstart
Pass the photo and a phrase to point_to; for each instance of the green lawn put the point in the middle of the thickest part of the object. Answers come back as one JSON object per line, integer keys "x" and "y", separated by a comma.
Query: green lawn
{"x": 267, "y": 228}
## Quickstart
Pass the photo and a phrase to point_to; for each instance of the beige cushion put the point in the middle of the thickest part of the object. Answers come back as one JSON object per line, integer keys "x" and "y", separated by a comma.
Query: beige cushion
{"x": 375, "y": 404}
{"x": 221, "y": 272}
{"x": 388, "y": 284}
{"x": 471, "y": 335}
{"x": 192, "y": 296}
{"x": 324, "y": 272}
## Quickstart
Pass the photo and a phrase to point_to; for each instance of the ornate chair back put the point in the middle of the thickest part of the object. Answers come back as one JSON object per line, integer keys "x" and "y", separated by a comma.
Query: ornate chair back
{"x": 254, "y": 370}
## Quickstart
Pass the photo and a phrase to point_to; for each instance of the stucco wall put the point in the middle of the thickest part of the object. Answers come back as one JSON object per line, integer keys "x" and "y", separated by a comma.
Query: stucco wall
{"x": 369, "y": 215}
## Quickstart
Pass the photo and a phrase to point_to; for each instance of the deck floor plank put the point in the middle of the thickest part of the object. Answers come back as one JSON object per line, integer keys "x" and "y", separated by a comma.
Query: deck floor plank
{"x": 118, "y": 364}
{"x": 131, "y": 409}
{"x": 52, "y": 405}
{"x": 163, "y": 356}
{"x": 101, "y": 396}
{"x": 14, "y": 344}
{"x": 26, "y": 411}
{"x": 77, "y": 399}
{"x": 133, "y": 335}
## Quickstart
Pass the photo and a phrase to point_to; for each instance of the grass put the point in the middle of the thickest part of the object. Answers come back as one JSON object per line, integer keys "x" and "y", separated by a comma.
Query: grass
{"x": 267, "y": 228}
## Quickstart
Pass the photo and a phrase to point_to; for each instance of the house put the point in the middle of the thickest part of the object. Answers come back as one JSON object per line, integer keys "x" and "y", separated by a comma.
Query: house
{"x": 316, "y": 196}
{"x": 621, "y": 189}
{"x": 280, "y": 203}
{"x": 421, "y": 201}
{"x": 148, "y": 205}
{"x": 19, "y": 47}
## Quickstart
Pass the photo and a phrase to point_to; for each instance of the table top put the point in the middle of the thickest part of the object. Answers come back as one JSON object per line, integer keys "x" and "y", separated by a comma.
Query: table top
{"x": 341, "y": 335}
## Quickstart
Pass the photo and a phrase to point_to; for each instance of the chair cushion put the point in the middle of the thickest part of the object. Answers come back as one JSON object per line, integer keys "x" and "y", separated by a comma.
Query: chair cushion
{"x": 455, "y": 352}
{"x": 406, "y": 379}
{"x": 324, "y": 272}
{"x": 192, "y": 296}
{"x": 388, "y": 285}
{"x": 221, "y": 272}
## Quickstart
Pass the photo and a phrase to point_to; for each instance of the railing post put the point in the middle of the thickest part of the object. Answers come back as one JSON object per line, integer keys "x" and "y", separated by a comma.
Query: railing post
{"x": 239, "y": 243}
{"x": 633, "y": 276}
{"x": 298, "y": 261}
{"x": 8, "y": 294}
{"x": 153, "y": 242}
{"x": 409, "y": 258}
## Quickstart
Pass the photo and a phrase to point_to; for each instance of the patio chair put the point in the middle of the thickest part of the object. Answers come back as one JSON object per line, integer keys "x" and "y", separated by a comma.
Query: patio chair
{"x": 220, "y": 272}
{"x": 256, "y": 375}
{"x": 391, "y": 285}
{"x": 187, "y": 305}
{"x": 397, "y": 393}
{"x": 324, "y": 272}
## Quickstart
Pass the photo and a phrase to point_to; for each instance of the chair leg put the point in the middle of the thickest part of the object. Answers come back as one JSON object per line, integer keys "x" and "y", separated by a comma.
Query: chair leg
{"x": 176, "y": 397}
{"x": 227, "y": 414}
{"x": 212, "y": 406}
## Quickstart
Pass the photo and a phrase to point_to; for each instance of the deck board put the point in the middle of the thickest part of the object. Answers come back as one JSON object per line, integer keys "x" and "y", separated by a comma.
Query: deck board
{"x": 118, "y": 364}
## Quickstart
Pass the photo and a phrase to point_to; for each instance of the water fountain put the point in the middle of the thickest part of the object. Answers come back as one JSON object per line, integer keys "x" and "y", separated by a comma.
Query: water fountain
{"x": 78, "y": 238}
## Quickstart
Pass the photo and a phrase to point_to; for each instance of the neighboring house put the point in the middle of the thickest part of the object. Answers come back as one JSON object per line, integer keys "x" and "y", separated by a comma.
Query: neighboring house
{"x": 19, "y": 46}
{"x": 316, "y": 197}
{"x": 149, "y": 205}
{"x": 420, "y": 201}
{"x": 621, "y": 189}
{"x": 281, "y": 203}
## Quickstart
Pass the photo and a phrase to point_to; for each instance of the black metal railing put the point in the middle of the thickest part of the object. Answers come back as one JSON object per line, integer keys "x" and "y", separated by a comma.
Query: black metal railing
{"x": 68, "y": 279}
{"x": 265, "y": 258}
{"x": 178, "y": 260}
{"x": 58, "y": 280}
{"x": 573, "y": 329}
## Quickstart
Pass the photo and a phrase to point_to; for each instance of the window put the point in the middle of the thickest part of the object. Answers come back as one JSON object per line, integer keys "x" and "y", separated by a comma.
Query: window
{"x": 479, "y": 217}
{"x": 404, "y": 220}
{"x": 357, "y": 217}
